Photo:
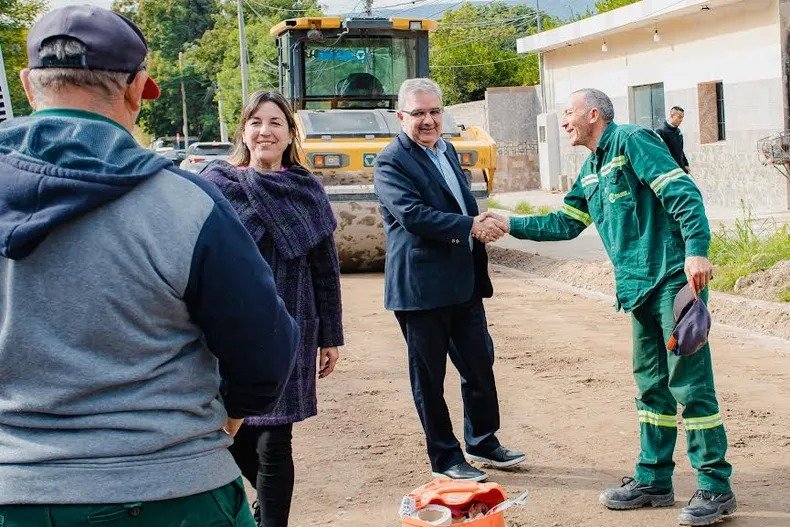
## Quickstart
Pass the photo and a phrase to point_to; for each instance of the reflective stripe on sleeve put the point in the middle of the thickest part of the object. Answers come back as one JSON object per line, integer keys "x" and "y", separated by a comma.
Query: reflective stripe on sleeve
{"x": 576, "y": 214}
{"x": 664, "y": 179}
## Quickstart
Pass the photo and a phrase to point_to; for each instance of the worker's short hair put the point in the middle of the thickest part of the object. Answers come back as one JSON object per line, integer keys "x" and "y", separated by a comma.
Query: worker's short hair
{"x": 597, "y": 99}
{"x": 676, "y": 109}
{"x": 419, "y": 85}
{"x": 50, "y": 80}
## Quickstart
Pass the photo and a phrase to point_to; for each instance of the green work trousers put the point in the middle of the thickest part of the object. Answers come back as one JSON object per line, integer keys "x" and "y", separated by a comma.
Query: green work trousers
{"x": 225, "y": 506}
{"x": 663, "y": 380}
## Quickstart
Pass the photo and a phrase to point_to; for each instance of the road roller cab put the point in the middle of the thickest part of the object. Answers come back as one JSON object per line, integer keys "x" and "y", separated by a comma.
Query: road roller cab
{"x": 342, "y": 78}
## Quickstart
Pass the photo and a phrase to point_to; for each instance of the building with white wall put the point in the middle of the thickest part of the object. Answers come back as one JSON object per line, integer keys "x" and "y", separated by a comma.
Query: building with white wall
{"x": 723, "y": 61}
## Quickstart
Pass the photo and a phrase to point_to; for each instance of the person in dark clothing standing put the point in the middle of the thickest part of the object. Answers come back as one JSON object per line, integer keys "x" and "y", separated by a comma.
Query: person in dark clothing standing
{"x": 436, "y": 277}
{"x": 672, "y": 136}
{"x": 285, "y": 209}
{"x": 138, "y": 321}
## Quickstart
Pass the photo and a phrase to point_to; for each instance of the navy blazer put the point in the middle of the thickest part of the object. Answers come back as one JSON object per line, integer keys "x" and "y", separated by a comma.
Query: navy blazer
{"x": 428, "y": 262}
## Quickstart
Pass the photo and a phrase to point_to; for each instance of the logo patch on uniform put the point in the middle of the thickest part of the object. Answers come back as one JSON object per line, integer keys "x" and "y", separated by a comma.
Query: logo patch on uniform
{"x": 614, "y": 197}
{"x": 368, "y": 159}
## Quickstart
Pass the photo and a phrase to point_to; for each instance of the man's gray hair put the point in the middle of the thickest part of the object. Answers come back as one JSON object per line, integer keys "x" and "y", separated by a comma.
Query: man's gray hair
{"x": 48, "y": 81}
{"x": 419, "y": 85}
{"x": 597, "y": 99}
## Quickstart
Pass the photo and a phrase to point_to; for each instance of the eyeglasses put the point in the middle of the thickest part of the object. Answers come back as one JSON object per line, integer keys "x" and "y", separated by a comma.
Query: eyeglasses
{"x": 420, "y": 114}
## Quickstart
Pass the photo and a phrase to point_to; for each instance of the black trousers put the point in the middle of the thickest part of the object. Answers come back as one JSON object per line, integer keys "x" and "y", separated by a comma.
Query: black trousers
{"x": 264, "y": 455}
{"x": 462, "y": 332}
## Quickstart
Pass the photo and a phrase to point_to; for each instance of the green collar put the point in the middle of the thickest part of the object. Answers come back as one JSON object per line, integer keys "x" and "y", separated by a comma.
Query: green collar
{"x": 73, "y": 112}
{"x": 603, "y": 142}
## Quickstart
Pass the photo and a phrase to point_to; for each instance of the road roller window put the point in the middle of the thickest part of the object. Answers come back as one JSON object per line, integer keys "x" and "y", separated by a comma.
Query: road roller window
{"x": 358, "y": 72}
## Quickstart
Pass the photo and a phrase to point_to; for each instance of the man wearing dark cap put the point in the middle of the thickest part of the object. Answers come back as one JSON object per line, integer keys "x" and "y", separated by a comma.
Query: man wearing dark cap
{"x": 652, "y": 222}
{"x": 127, "y": 288}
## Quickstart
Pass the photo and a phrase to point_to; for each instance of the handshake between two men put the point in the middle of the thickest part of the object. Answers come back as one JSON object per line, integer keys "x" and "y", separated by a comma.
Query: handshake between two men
{"x": 489, "y": 227}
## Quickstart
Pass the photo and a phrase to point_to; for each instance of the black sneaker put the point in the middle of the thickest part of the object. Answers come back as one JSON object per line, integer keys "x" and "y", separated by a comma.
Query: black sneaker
{"x": 462, "y": 470}
{"x": 633, "y": 495}
{"x": 500, "y": 457}
{"x": 707, "y": 507}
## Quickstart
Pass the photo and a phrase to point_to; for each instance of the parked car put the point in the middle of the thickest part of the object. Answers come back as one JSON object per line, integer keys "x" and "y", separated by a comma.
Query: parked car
{"x": 198, "y": 155}
{"x": 176, "y": 155}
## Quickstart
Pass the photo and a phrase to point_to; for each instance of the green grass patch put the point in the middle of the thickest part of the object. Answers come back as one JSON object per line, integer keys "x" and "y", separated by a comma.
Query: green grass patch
{"x": 494, "y": 204}
{"x": 522, "y": 207}
{"x": 748, "y": 247}
{"x": 525, "y": 207}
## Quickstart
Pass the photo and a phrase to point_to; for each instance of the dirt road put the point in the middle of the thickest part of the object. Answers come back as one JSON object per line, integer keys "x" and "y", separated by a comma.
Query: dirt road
{"x": 566, "y": 397}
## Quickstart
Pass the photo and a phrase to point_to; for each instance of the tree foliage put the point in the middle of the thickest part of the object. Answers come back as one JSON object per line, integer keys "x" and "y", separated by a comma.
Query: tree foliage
{"x": 206, "y": 33}
{"x": 475, "y": 48}
{"x": 16, "y": 16}
{"x": 215, "y": 56}
{"x": 607, "y": 5}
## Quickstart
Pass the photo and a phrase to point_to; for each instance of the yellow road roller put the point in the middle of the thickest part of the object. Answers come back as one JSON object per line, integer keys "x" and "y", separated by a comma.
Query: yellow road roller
{"x": 342, "y": 78}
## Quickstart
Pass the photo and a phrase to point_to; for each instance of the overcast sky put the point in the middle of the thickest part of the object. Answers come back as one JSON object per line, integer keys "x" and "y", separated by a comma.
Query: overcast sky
{"x": 333, "y": 6}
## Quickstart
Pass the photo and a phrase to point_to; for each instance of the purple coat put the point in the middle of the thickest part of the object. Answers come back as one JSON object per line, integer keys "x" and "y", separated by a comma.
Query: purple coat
{"x": 289, "y": 217}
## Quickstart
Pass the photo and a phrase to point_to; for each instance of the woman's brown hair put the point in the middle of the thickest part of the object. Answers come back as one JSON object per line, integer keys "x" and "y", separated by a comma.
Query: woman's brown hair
{"x": 240, "y": 155}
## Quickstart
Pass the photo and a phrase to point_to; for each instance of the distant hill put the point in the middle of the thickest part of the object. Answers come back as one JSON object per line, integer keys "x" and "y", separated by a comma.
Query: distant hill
{"x": 564, "y": 9}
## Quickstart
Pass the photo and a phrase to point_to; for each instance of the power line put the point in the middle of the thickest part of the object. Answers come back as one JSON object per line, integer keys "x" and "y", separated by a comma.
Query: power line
{"x": 476, "y": 39}
{"x": 442, "y": 10}
{"x": 411, "y": 2}
{"x": 489, "y": 23}
{"x": 455, "y": 66}
{"x": 286, "y": 9}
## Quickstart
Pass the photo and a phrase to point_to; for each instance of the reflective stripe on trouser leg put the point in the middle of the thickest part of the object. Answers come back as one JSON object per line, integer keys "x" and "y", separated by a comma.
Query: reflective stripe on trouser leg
{"x": 691, "y": 384}
{"x": 655, "y": 405}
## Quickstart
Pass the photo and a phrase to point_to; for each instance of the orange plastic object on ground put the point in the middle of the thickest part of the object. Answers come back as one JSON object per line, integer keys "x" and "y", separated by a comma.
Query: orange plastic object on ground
{"x": 456, "y": 494}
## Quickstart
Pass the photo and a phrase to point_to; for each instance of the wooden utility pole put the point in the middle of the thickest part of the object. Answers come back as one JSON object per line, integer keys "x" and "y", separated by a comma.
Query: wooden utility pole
{"x": 183, "y": 100}
{"x": 242, "y": 52}
{"x": 223, "y": 126}
{"x": 543, "y": 105}
{"x": 368, "y": 7}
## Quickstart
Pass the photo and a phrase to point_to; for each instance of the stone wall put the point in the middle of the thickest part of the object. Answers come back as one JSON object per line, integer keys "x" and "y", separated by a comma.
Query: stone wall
{"x": 470, "y": 114}
{"x": 512, "y": 122}
{"x": 518, "y": 167}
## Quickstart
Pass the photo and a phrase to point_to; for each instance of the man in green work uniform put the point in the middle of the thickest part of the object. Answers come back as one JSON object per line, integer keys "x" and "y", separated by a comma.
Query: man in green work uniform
{"x": 651, "y": 219}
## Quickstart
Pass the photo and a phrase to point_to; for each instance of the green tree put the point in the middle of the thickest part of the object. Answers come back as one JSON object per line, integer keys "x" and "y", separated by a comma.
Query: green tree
{"x": 216, "y": 54}
{"x": 206, "y": 32}
{"x": 170, "y": 27}
{"x": 16, "y": 16}
{"x": 475, "y": 48}
{"x": 607, "y": 5}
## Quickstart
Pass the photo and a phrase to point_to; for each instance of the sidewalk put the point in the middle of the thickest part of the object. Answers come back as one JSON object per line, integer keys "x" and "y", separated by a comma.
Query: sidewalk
{"x": 588, "y": 245}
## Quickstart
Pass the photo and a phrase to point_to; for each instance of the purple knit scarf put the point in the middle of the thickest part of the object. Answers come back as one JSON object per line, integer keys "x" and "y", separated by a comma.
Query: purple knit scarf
{"x": 291, "y": 205}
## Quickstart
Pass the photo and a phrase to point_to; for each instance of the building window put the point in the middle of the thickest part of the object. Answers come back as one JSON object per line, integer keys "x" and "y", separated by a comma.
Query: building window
{"x": 647, "y": 105}
{"x": 712, "y": 124}
{"x": 720, "y": 111}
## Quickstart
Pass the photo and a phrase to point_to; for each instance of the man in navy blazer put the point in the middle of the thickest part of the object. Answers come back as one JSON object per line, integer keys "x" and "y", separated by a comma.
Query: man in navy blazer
{"x": 436, "y": 277}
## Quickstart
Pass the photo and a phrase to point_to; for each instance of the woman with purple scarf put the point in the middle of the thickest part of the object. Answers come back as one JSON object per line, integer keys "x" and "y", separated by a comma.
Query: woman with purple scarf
{"x": 287, "y": 212}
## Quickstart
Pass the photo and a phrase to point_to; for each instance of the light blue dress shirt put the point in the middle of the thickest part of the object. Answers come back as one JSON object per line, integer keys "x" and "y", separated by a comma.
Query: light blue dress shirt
{"x": 439, "y": 159}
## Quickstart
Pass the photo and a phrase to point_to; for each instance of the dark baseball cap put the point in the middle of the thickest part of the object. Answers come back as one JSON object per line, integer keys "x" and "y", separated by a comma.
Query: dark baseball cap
{"x": 112, "y": 42}
{"x": 692, "y": 323}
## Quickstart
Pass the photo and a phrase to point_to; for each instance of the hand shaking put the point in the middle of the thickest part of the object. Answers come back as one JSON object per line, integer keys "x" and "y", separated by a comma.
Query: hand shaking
{"x": 489, "y": 227}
